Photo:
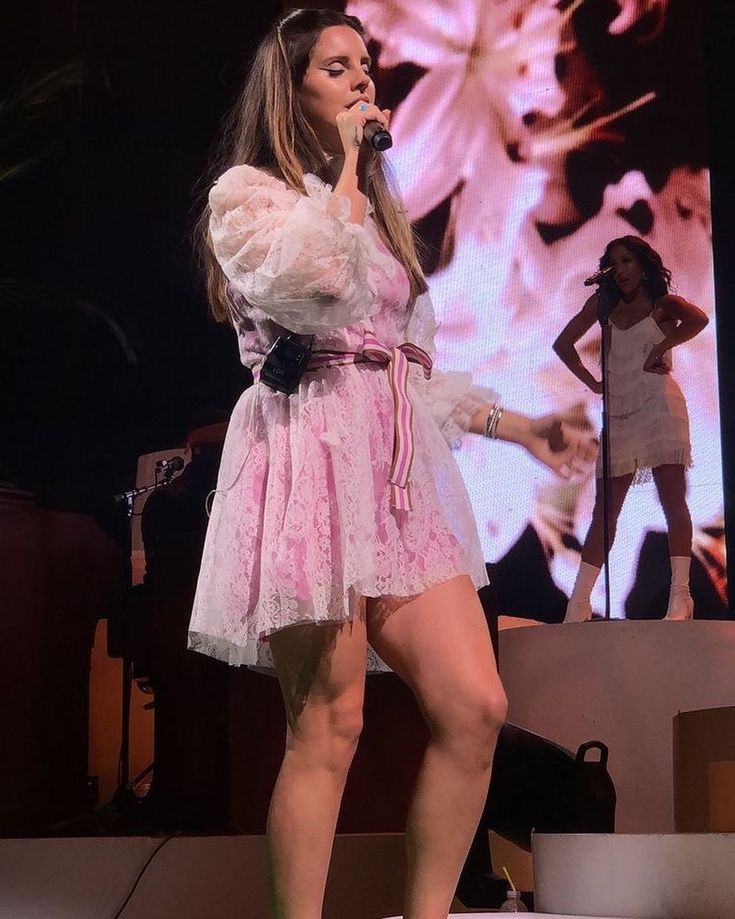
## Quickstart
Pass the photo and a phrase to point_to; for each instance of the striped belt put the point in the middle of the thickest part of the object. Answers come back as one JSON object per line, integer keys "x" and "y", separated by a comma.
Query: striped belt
{"x": 397, "y": 359}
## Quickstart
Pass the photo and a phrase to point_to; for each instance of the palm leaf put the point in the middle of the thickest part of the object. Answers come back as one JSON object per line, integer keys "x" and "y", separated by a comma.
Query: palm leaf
{"x": 26, "y": 114}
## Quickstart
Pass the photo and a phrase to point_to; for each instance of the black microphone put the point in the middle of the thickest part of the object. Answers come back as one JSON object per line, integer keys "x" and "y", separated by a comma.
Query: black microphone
{"x": 175, "y": 464}
{"x": 599, "y": 276}
{"x": 377, "y": 136}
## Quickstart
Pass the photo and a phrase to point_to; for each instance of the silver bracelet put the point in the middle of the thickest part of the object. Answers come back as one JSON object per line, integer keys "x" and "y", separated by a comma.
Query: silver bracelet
{"x": 491, "y": 425}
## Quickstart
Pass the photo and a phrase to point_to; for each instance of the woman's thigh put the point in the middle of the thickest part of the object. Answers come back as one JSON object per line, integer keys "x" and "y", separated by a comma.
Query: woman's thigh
{"x": 439, "y": 644}
{"x": 617, "y": 490}
{"x": 321, "y": 671}
{"x": 671, "y": 486}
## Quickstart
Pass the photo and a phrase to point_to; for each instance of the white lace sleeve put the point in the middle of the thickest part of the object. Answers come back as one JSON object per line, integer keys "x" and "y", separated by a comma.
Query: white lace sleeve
{"x": 296, "y": 257}
{"x": 452, "y": 397}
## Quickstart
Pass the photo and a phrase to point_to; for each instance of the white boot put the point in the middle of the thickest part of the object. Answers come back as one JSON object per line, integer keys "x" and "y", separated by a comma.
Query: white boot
{"x": 579, "y": 608}
{"x": 681, "y": 605}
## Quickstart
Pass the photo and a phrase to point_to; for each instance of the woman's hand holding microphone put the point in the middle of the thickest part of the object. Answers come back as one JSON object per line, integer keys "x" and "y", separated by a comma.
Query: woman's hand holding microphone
{"x": 352, "y": 182}
{"x": 351, "y": 124}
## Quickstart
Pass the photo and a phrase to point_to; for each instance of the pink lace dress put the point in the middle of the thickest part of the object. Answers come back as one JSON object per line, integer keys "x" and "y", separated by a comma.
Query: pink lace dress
{"x": 303, "y": 523}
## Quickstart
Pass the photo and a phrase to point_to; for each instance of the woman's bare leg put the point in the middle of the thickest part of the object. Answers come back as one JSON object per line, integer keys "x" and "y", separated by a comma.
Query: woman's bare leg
{"x": 321, "y": 669}
{"x": 440, "y": 645}
{"x": 671, "y": 486}
{"x": 593, "y": 552}
{"x": 579, "y": 607}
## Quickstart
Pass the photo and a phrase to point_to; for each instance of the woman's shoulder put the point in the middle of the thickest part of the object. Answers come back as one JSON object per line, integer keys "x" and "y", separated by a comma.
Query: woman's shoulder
{"x": 670, "y": 306}
{"x": 242, "y": 181}
{"x": 670, "y": 301}
{"x": 245, "y": 174}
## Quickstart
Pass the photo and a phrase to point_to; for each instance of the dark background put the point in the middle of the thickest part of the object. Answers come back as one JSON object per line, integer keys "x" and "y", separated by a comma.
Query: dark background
{"x": 107, "y": 351}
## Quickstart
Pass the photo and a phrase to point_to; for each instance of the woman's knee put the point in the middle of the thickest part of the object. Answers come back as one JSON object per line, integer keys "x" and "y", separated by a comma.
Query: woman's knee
{"x": 469, "y": 721}
{"x": 613, "y": 514}
{"x": 676, "y": 512}
{"x": 495, "y": 710}
{"x": 345, "y": 722}
{"x": 328, "y": 734}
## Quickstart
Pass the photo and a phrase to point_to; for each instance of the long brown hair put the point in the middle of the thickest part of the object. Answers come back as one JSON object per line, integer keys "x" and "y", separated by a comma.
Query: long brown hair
{"x": 268, "y": 129}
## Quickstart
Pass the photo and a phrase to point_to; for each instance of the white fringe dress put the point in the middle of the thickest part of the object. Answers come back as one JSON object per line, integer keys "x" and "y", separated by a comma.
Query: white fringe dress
{"x": 649, "y": 423}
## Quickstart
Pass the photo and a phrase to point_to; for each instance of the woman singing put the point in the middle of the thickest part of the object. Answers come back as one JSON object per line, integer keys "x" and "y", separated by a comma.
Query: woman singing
{"x": 648, "y": 421}
{"x": 341, "y": 528}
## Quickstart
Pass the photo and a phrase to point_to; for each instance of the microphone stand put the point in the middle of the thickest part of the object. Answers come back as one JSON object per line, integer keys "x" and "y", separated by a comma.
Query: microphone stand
{"x": 125, "y": 793}
{"x": 604, "y": 310}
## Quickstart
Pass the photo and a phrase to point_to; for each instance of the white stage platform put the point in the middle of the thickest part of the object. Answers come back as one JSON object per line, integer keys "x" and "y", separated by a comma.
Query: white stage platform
{"x": 621, "y": 682}
{"x": 666, "y": 876}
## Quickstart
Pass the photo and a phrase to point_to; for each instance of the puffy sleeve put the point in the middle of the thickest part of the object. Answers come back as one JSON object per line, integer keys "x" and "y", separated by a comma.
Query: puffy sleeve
{"x": 451, "y": 396}
{"x": 296, "y": 257}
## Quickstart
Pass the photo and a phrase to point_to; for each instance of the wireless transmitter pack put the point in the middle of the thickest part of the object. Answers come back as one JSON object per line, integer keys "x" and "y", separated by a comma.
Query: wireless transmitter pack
{"x": 285, "y": 363}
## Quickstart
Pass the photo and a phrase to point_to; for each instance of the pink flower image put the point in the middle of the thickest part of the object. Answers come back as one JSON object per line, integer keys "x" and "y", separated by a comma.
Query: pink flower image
{"x": 523, "y": 150}
{"x": 487, "y": 65}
